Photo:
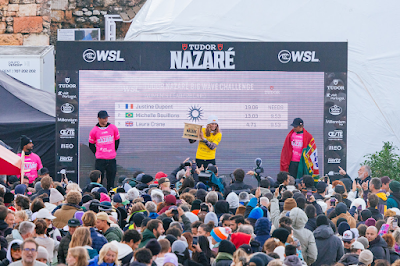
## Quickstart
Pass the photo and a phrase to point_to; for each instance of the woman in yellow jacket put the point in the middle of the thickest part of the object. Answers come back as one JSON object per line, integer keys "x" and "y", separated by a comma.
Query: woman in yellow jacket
{"x": 210, "y": 138}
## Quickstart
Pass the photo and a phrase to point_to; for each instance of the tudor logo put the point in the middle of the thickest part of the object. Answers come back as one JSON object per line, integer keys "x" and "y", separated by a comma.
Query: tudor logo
{"x": 220, "y": 46}
{"x": 184, "y": 46}
{"x": 335, "y": 110}
{"x": 67, "y": 80}
{"x": 67, "y": 108}
{"x": 284, "y": 56}
{"x": 335, "y": 82}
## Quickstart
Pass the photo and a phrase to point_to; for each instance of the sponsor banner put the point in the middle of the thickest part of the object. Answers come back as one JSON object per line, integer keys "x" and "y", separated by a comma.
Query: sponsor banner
{"x": 67, "y": 123}
{"x": 335, "y": 123}
{"x": 207, "y": 56}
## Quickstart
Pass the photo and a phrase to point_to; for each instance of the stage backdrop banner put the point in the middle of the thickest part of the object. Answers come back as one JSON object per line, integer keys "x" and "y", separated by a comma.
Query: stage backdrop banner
{"x": 150, "y": 89}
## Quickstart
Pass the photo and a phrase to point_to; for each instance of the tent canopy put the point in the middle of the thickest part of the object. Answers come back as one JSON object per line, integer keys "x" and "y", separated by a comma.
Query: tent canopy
{"x": 367, "y": 26}
{"x": 28, "y": 111}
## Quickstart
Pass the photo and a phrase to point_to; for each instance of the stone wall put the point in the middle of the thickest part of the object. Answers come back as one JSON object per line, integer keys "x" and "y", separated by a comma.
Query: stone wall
{"x": 35, "y": 22}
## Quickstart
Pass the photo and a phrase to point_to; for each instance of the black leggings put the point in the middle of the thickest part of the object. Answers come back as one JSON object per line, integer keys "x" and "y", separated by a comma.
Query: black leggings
{"x": 108, "y": 166}
{"x": 293, "y": 167}
{"x": 204, "y": 162}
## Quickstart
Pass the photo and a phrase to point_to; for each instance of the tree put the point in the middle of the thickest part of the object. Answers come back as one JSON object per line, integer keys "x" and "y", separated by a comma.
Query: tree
{"x": 385, "y": 162}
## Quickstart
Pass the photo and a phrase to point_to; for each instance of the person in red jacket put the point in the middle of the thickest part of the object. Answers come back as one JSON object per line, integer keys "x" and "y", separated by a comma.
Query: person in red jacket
{"x": 297, "y": 139}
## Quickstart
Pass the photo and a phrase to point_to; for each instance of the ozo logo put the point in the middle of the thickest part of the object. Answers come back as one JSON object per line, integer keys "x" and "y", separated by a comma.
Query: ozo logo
{"x": 284, "y": 56}
{"x": 89, "y": 55}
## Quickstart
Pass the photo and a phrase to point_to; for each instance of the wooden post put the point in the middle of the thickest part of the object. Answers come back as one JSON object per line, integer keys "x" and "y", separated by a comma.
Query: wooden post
{"x": 22, "y": 166}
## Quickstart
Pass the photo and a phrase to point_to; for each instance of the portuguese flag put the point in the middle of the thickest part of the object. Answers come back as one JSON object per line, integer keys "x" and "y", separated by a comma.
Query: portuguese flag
{"x": 309, "y": 161}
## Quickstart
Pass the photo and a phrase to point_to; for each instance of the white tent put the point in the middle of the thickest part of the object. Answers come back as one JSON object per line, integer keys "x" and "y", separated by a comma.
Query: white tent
{"x": 370, "y": 28}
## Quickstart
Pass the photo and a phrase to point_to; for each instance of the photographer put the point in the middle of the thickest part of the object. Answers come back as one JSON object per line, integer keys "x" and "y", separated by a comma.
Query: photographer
{"x": 237, "y": 186}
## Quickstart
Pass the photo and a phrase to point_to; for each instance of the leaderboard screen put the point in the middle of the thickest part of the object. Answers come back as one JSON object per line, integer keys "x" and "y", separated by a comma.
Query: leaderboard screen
{"x": 254, "y": 110}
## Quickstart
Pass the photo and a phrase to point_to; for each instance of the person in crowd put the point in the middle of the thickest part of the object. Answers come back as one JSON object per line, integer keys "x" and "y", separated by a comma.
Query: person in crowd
{"x": 377, "y": 245}
{"x": 67, "y": 211}
{"x": 32, "y": 161}
{"x": 77, "y": 256}
{"x": 372, "y": 203}
{"x": 352, "y": 258}
{"x": 98, "y": 240}
{"x": 25, "y": 230}
{"x": 103, "y": 224}
{"x": 42, "y": 255}
{"x": 81, "y": 238}
{"x": 13, "y": 252}
{"x": 393, "y": 200}
{"x": 108, "y": 256}
{"x": 95, "y": 181}
{"x": 73, "y": 224}
{"x": 375, "y": 188}
{"x": 237, "y": 186}
{"x": 153, "y": 230}
{"x": 29, "y": 249}
{"x": 390, "y": 242}
{"x": 42, "y": 239}
{"x": 143, "y": 257}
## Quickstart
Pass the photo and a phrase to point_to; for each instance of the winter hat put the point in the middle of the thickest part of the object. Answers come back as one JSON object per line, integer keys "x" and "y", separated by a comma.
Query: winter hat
{"x": 195, "y": 205}
{"x": 343, "y": 226}
{"x": 171, "y": 258}
{"x": 256, "y": 213}
{"x": 366, "y": 257}
{"x": 359, "y": 202}
{"x": 221, "y": 207}
{"x": 102, "y": 190}
{"x": 171, "y": 238}
{"x": 212, "y": 119}
{"x": 339, "y": 189}
{"x": 340, "y": 208}
{"x": 104, "y": 197}
{"x": 201, "y": 194}
{"x": 220, "y": 233}
{"x": 211, "y": 216}
{"x": 147, "y": 179}
{"x": 138, "y": 219}
{"x": 170, "y": 200}
{"x": 154, "y": 246}
{"x": 38, "y": 186}
{"x": 24, "y": 140}
{"x": 394, "y": 186}
{"x": 166, "y": 222}
{"x": 55, "y": 196}
{"x": 322, "y": 220}
{"x": 340, "y": 220}
{"x": 227, "y": 247}
{"x": 160, "y": 175}
{"x": 240, "y": 238}
{"x": 42, "y": 253}
{"x": 246, "y": 248}
{"x": 192, "y": 217}
{"x": 86, "y": 198}
{"x": 289, "y": 204}
{"x": 8, "y": 197}
{"x": 370, "y": 222}
{"x": 363, "y": 240}
{"x": 178, "y": 247}
{"x": 281, "y": 233}
{"x": 256, "y": 261}
{"x": 20, "y": 189}
{"x": 321, "y": 186}
{"x": 233, "y": 200}
{"x": 244, "y": 197}
{"x": 200, "y": 185}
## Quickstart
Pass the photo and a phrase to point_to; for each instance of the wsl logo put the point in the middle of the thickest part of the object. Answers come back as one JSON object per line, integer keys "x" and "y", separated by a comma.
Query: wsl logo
{"x": 203, "y": 56}
{"x": 90, "y": 55}
{"x": 286, "y": 56}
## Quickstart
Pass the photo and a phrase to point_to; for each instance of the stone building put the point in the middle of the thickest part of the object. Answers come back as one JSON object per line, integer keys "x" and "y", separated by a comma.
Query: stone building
{"x": 35, "y": 22}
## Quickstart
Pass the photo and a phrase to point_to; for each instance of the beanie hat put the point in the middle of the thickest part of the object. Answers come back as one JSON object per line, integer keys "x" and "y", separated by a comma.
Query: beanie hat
{"x": 343, "y": 226}
{"x": 55, "y": 196}
{"x": 8, "y": 197}
{"x": 256, "y": 213}
{"x": 38, "y": 186}
{"x": 363, "y": 240}
{"x": 191, "y": 216}
{"x": 160, "y": 175}
{"x": 233, "y": 200}
{"x": 244, "y": 197}
{"x": 171, "y": 258}
{"x": 195, "y": 205}
{"x": 212, "y": 119}
{"x": 147, "y": 179}
{"x": 246, "y": 248}
{"x": 321, "y": 186}
{"x": 370, "y": 222}
{"x": 171, "y": 238}
{"x": 282, "y": 234}
{"x": 179, "y": 247}
{"x": 170, "y": 200}
{"x": 200, "y": 185}
{"x": 366, "y": 257}
{"x": 340, "y": 220}
{"x": 227, "y": 247}
{"x": 220, "y": 233}
{"x": 240, "y": 238}
{"x": 20, "y": 189}
{"x": 211, "y": 216}
{"x": 201, "y": 194}
{"x": 340, "y": 189}
{"x": 24, "y": 141}
{"x": 138, "y": 218}
{"x": 86, "y": 198}
{"x": 154, "y": 246}
{"x": 104, "y": 197}
{"x": 42, "y": 253}
{"x": 289, "y": 204}
{"x": 102, "y": 190}
{"x": 365, "y": 214}
{"x": 256, "y": 261}
{"x": 340, "y": 208}
{"x": 322, "y": 220}
{"x": 394, "y": 186}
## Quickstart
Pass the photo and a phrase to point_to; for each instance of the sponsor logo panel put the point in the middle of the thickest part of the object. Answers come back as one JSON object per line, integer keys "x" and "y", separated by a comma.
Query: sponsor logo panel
{"x": 285, "y": 56}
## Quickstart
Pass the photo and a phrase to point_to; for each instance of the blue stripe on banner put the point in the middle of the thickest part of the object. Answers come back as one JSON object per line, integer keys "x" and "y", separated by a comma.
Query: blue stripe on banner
{"x": 126, "y": 106}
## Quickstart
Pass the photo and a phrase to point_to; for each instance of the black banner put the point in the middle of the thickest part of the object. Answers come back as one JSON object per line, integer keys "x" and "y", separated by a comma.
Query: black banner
{"x": 335, "y": 124}
{"x": 67, "y": 125}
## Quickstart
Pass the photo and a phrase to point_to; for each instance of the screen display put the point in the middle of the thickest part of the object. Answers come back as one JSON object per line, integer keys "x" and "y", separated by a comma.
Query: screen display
{"x": 254, "y": 110}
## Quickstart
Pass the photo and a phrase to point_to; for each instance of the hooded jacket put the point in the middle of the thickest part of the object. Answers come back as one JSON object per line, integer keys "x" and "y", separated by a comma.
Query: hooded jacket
{"x": 311, "y": 224}
{"x": 95, "y": 262}
{"x": 349, "y": 259}
{"x": 287, "y": 150}
{"x": 262, "y": 230}
{"x": 292, "y": 260}
{"x": 113, "y": 233}
{"x": 330, "y": 247}
{"x": 98, "y": 240}
{"x": 125, "y": 252}
{"x": 376, "y": 214}
{"x": 393, "y": 201}
{"x": 305, "y": 236}
{"x": 8, "y": 258}
{"x": 147, "y": 236}
{"x": 379, "y": 248}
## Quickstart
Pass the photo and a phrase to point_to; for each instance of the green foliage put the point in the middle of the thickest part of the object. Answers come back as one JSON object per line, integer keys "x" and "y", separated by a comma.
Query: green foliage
{"x": 385, "y": 162}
